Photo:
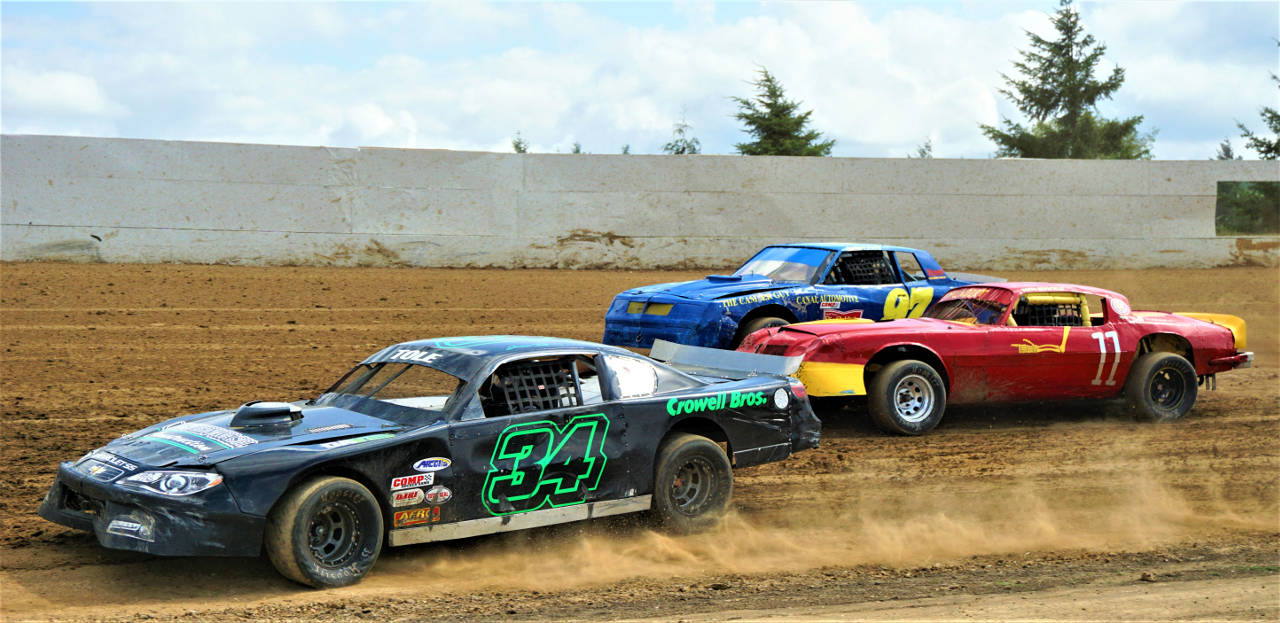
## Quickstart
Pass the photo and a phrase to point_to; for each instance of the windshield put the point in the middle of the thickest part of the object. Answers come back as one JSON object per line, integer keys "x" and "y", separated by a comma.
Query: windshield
{"x": 786, "y": 263}
{"x": 971, "y": 305}
{"x": 393, "y": 390}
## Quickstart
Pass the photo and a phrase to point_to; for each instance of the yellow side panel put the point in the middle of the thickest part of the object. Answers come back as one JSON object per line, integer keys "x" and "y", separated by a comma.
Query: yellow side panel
{"x": 1235, "y": 323}
{"x": 838, "y": 321}
{"x": 832, "y": 379}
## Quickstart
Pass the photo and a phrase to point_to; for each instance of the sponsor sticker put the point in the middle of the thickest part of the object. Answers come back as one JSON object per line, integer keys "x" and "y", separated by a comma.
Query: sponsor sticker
{"x": 408, "y": 497}
{"x": 829, "y": 305}
{"x": 341, "y": 443}
{"x": 832, "y": 314}
{"x": 114, "y": 460}
{"x": 194, "y": 445}
{"x": 1120, "y": 307}
{"x": 325, "y": 429}
{"x": 420, "y": 356}
{"x": 416, "y": 516}
{"x": 218, "y": 435}
{"x": 416, "y": 480}
{"x": 716, "y": 402}
{"x": 433, "y": 464}
{"x": 100, "y": 471}
{"x": 439, "y": 494}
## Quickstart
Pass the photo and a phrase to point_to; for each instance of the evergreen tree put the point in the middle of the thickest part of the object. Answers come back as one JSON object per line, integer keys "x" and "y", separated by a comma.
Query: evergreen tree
{"x": 924, "y": 151}
{"x": 1059, "y": 94}
{"x": 1268, "y": 149}
{"x": 773, "y": 120}
{"x": 681, "y": 143}
{"x": 577, "y": 147}
{"x": 1225, "y": 152}
{"x": 520, "y": 145}
{"x": 626, "y": 150}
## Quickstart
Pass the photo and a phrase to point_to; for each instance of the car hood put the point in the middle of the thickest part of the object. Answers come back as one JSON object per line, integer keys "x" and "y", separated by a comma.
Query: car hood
{"x": 208, "y": 438}
{"x": 714, "y": 287}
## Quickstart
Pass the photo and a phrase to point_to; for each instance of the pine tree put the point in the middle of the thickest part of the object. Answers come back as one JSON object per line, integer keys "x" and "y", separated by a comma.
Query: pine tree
{"x": 773, "y": 120}
{"x": 520, "y": 145}
{"x": 1059, "y": 94}
{"x": 681, "y": 143}
{"x": 1268, "y": 149}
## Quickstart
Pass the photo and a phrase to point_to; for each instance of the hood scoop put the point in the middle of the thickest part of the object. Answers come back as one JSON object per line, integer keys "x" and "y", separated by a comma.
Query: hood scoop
{"x": 724, "y": 278}
{"x": 266, "y": 414}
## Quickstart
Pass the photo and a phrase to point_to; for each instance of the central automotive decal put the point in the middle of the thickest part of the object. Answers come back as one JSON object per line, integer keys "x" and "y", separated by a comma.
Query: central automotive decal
{"x": 730, "y": 400}
{"x": 537, "y": 464}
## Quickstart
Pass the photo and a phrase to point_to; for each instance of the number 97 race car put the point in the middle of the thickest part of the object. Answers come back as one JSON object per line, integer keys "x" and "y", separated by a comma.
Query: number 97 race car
{"x": 443, "y": 439}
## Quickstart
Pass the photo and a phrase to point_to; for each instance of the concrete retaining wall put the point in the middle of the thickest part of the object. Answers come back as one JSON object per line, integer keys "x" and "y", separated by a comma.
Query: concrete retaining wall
{"x": 121, "y": 200}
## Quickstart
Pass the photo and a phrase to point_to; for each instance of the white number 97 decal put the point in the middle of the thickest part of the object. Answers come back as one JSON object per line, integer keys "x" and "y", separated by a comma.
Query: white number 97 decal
{"x": 1102, "y": 360}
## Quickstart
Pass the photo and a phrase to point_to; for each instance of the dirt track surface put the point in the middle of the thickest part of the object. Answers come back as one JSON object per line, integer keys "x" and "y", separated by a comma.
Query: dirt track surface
{"x": 1035, "y": 511}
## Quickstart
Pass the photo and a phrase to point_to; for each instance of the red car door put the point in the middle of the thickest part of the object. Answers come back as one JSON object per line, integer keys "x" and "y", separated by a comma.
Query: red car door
{"x": 1051, "y": 351}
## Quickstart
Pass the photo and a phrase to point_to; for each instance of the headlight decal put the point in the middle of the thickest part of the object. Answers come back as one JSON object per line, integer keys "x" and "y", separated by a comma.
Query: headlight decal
{"x": 173, "y": 482}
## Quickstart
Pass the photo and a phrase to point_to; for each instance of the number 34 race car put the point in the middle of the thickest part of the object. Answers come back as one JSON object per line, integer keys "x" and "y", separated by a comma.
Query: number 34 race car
{"x": 1013, "y": 342}
{"x": 442, "y": 439}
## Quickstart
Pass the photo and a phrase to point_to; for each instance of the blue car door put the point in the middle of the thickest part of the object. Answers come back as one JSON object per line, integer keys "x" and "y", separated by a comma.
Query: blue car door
{"x": 861, "y": 284}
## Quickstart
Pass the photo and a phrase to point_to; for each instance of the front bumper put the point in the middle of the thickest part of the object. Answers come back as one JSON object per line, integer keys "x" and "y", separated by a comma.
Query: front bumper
{"x": 686, "y": 323}
{"x": 204, "y": 524}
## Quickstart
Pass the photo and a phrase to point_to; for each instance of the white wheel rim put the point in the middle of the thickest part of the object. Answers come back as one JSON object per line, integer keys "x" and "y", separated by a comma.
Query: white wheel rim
{"x": 913, "y": 398}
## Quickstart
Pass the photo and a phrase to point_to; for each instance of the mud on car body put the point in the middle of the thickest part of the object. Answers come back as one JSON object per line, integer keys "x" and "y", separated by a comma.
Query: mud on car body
{"x": 442, "y": 439}
{"x": 782, "y": 284}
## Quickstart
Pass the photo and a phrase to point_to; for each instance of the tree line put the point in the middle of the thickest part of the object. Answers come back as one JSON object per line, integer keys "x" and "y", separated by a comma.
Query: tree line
{"x": 1056, "y": 88}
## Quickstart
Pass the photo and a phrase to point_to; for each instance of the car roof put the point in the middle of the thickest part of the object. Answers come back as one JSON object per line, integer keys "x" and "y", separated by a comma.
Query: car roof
{"x": 488, "y": 345}
{"x": 846, "y": 246}
{"x": 1022, "y": 287}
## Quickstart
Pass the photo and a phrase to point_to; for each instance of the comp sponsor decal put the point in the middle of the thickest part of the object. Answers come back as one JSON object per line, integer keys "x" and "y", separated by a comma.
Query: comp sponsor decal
{"x": 716, "y": 402}
{"x": 433, "y": 464}
{"x": 439, "y": 494}
{"x": 416, "y": 480}
{"x": 354, "y": 440}
{"x": 408, "y": 497}
{"x": 416, "y": 516}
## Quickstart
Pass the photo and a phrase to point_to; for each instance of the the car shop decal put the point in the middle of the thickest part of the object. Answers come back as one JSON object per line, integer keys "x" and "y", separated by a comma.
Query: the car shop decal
{"x": 433, "y": 464}
{"x": 416, "y": 480}
{"x": 537, "y": 464}
{"x": 716, "y": 402}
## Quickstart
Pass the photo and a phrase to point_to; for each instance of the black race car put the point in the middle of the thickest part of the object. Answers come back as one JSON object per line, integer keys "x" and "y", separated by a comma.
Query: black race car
{"x": 443, "y": 439}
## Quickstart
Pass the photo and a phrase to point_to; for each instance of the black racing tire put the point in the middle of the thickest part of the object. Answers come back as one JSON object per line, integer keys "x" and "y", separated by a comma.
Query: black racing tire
{"x": 1161, "y": 387}
{"x": 325, "y": 532}
{"x": 756, "y": 324}
{"x": 907, "y": 398}
{"x": 692, "y": 483}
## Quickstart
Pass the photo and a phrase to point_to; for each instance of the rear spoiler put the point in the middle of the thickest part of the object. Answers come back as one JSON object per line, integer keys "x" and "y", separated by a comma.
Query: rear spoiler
{"x": 729, "y": 364}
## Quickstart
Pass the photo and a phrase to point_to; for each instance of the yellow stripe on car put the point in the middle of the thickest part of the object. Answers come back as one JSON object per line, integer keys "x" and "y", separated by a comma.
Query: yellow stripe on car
{"x": 823, "y": 378}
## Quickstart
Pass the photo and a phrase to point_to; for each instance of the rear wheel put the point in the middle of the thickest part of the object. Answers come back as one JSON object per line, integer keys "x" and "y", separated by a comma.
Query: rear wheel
{"x": 756, "y": 324}
{"x": 907, "y": 398}
{"x": 692, "y": 484}
{"x": 325, "y": 532}
{"x": 1161, "y": 387}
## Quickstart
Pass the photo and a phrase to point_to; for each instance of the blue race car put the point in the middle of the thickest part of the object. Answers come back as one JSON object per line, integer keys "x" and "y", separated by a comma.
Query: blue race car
{"x": 780, "y": 285}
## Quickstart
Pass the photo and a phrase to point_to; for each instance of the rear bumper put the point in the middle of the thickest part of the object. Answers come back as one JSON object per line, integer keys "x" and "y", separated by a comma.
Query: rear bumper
{"x": 1238, "y": 360}
{"x": 204, "y": 524}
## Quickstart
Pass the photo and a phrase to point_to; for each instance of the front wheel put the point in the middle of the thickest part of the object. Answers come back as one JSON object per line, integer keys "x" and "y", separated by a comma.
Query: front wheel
{"x": 907, "y": 398}
{"x": 325, "y": 532}
{"x": 756, "y": 324}
{"x": 692, "y": 484}
{"x": 1161, "y": 387}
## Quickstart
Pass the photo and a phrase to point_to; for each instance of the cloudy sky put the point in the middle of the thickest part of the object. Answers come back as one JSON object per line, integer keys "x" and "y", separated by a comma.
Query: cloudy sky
{"x": 880, "y": 77}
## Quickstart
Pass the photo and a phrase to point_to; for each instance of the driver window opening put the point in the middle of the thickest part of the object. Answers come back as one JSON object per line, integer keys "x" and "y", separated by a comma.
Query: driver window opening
{"x": 540, "y": 384}
{"x": 1051, "y": 310}
{"x": 911, "y": 269}
{"x": 861, "y": 268}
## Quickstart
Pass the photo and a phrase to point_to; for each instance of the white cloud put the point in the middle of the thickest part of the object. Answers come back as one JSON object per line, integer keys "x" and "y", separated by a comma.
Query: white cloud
{"x": 880, "y": 79}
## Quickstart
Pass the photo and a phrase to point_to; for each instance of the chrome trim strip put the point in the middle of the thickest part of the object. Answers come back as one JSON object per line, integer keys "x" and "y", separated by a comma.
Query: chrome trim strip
{"x": 519, "y": 521}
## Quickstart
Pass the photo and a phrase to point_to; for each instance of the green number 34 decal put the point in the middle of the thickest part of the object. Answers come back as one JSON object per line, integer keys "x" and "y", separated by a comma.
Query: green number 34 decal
{"x": 540, "y": 464}
{"x": 899, "y": 304}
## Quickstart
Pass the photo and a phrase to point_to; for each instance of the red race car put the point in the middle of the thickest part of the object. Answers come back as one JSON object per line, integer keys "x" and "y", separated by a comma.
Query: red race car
{"x": 1000, "y": 342}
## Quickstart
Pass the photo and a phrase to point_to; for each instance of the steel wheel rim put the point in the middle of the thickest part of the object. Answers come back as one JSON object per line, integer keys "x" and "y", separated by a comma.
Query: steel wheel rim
{"x": 913, "y": 398}
{"x": 334, "y": 534}
{"x": 691, "y": 486}
{"x": 1167, "y": 387}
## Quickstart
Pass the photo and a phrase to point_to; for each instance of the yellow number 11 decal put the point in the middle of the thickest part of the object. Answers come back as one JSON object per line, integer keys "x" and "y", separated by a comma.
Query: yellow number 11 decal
{"x": 899, "y": 304}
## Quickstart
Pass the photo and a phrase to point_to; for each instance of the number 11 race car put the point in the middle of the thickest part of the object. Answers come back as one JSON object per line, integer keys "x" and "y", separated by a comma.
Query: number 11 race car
{"x": 442, "y": 439}
{"x": 1013, "y": 342}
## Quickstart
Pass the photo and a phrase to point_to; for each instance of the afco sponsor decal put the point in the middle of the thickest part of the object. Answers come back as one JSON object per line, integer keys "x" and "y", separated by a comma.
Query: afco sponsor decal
{"x": 416, "y": 480}
{"x": 433, "y": 464}
{"x": 728, "y": 400}
{"x": 408, "y": 497}
{"x": 415, "y": 516}
{"x": 439, "y": 494}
